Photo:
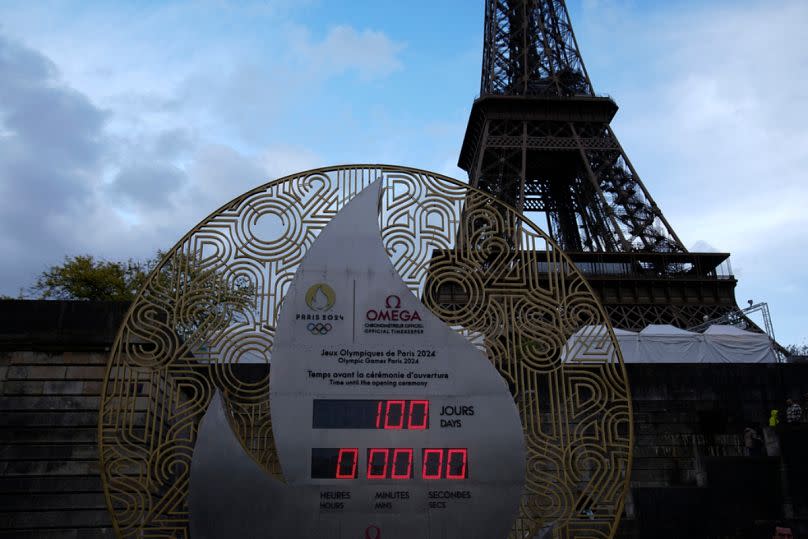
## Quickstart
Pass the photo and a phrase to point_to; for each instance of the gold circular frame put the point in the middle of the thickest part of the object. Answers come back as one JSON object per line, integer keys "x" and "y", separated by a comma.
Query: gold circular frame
{"x": 205, "y": 319}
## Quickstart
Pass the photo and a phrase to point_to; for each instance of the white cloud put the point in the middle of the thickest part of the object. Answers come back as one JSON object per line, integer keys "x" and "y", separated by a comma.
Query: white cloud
{"x": 735, "y": 115}
{"x": 370, "y": 53}
{"x": 221, "y": 173}
{"x": 116, "y": 143}
{"x": 713, "y": 116}
{"x": 146, "y": 184}
{"x": 281, "y": 160}
{"x": 714, "y": 111}
{"x": 50, "y": 158}
{"x": 71, "y": 184}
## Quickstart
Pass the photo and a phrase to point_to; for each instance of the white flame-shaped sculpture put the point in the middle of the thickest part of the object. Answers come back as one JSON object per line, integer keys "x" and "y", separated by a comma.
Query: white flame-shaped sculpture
{"x": 443, "y": 455}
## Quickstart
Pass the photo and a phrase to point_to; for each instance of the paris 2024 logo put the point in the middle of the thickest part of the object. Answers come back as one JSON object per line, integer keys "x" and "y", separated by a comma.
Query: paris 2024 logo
{"x": 320, "y": 298}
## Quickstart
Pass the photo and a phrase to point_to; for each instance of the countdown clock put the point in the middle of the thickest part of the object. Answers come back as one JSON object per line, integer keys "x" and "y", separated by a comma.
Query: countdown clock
{"x": 386, "y": 412}
{"x": 388, "y": 423}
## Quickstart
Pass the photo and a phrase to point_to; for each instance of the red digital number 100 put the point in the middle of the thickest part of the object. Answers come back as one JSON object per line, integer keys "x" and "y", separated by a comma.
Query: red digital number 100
{"x": 401, "y": 414}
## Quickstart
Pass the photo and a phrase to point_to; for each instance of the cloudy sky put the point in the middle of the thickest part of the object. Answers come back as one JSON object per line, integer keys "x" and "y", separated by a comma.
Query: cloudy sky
{"x": 124, "y": 124}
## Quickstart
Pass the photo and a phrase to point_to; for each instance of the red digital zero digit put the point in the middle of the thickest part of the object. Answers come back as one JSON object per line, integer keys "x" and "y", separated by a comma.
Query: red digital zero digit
{"x": 402, "y": 464}
{"x": 456, "y": 462}
{"x": 377, "y": 463}
{"x": 347, "y": 460}
{"x": 393, "y": 408}
{"x": 433, "y": 464}
{"x": 419, "y": 409}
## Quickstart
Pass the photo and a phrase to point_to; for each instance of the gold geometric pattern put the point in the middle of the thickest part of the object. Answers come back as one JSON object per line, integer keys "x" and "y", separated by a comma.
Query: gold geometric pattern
{"x": 206, "y": 318}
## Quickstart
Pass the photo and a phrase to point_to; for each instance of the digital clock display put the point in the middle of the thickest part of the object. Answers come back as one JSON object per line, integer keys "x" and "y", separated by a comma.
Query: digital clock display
{"x": 389, "y": 463}
{"x": 371, "y": 414}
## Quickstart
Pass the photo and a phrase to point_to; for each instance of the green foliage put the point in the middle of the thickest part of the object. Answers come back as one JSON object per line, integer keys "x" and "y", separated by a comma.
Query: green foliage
{"x": 191, "y": 297}
{"x": 209, "y": 297}
{"x": 88, "y": 278}
{"x": 797, "y": 349}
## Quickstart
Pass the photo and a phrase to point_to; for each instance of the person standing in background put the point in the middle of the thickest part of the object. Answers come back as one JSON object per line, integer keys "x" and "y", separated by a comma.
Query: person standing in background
{"x": 793, "y": 412}
{"x": 805, "y": 408}
{"x": 752, "y": 442}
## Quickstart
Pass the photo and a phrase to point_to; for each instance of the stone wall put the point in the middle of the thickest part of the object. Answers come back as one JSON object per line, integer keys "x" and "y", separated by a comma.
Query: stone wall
{"x": 689, "y": 478}
{"x": 52, "y": 361}
{"x": 49, "y": 476}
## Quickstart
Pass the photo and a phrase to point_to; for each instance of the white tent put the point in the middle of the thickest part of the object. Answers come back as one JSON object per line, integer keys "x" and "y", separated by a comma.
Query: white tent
{"x": 730, "y": 343}
{"x": 668, "y": 344}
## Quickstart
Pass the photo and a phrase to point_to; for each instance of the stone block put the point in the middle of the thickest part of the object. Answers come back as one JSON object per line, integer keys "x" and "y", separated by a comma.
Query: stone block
{"x": 49, "y": 434}
{"x": 49, "y": 419}
{"x": 53, "y": 501}
{"x": 50, "y": 484}
{"x": 50, "y": 452}
{"x": 85, "y": 358}
{"x": 56, "y": 519}
{"x": 49, "y": 467}
{"x": 52, "y": 372}
{"x": 658, "y": 477}
{"x": 35, "y": 357}
{"x": 63, "y": 402}
{"x": 22, "y": 387}
{"x": 59, "y": 533}
{"x": 86, "y": 373}
{"x": 92, "y": 388}
{"x": 67, "y": 387}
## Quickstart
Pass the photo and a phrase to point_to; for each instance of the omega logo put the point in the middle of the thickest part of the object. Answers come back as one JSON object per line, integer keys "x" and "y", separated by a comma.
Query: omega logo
{"x": 392, "y": 312}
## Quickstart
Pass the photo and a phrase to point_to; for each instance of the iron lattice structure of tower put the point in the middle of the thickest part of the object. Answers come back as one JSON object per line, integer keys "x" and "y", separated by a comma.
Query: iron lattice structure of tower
{"x": 539, "y": 138}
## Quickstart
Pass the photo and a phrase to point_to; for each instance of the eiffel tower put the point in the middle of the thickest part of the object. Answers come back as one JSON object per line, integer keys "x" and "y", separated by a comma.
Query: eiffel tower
{"x": 539, "y": 138}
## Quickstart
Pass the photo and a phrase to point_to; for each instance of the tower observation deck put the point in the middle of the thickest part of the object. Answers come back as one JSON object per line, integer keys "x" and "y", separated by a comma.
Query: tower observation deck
{"x": 539, "y": 138}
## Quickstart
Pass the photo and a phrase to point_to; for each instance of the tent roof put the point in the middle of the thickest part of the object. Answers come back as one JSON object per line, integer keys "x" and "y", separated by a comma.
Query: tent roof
{"x": 599, "y": 330}
{"x": 664, "y": 329}
{"x": 719, "y": 329}
{"x": 618, "y": 332}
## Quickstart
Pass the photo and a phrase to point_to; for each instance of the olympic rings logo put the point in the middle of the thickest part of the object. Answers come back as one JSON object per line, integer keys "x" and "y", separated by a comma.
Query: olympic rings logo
{"x": 319, "y": 329}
